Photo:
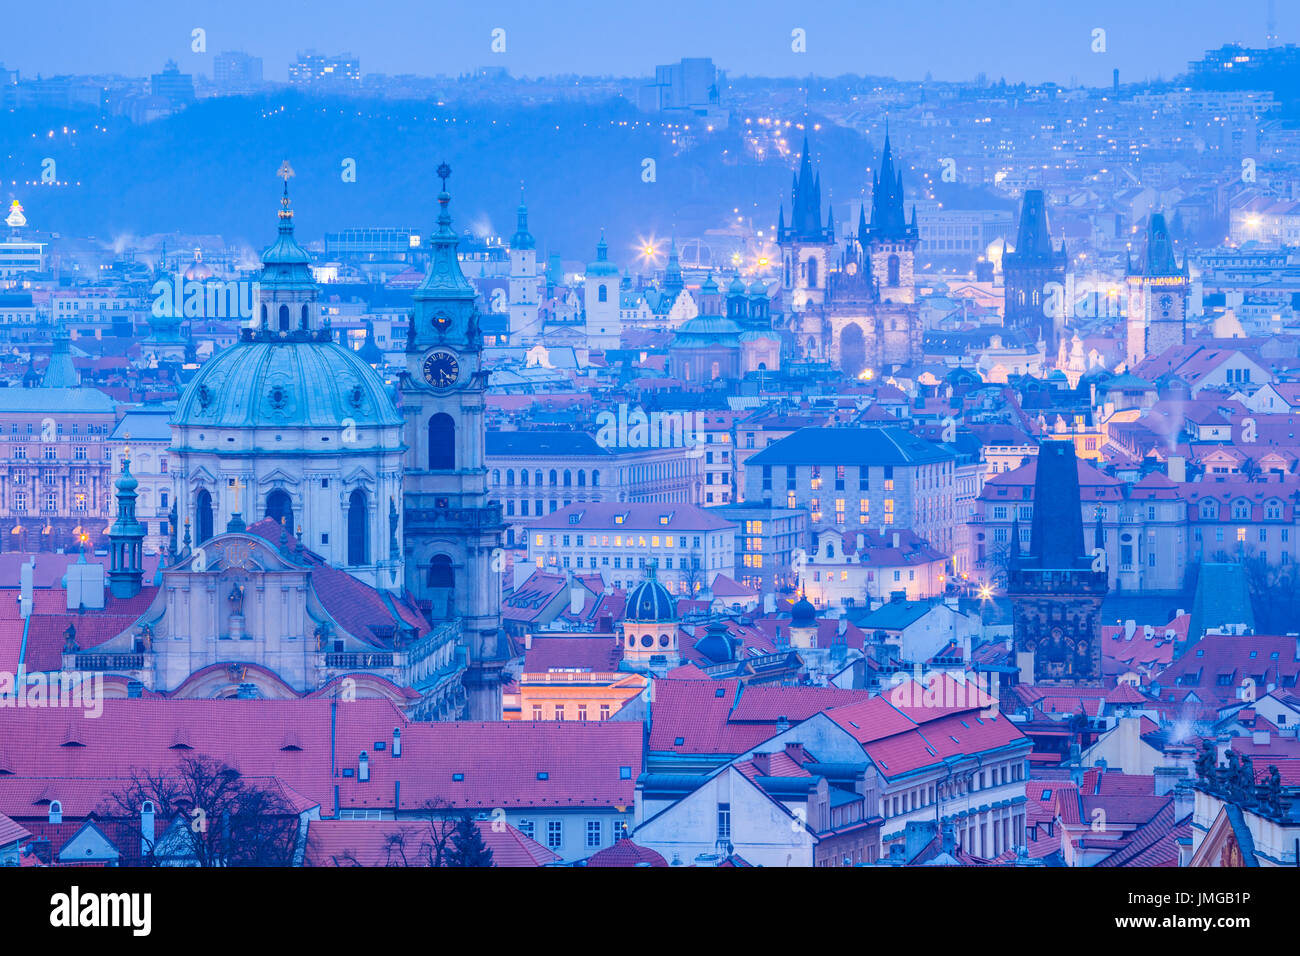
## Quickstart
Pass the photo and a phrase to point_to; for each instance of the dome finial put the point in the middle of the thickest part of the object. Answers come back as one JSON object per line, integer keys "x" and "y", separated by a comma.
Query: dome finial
{"x": 285, "y": 172}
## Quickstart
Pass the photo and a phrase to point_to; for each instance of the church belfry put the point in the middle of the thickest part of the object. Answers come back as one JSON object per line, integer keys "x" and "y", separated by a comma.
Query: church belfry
{"x": 1157, "y": 296}
{"x": 450, "y": 527}
{"x": 807, "y": 246}
{"x": 891, "y": 238}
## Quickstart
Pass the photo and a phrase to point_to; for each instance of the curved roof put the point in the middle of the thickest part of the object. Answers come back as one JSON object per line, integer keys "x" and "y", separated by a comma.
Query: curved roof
{"x": 650, "y": 601}
{"x": 279, "y": 384}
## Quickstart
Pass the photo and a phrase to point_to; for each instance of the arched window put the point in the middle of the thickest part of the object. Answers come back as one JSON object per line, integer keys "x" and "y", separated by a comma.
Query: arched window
{"x": 302, "y": 323}
{"x": 442, "y": 442}
{"x": 554, "y": 478}
{"x": 510, "y": 477}
{"x": 202, "y": 516}
{"x": 56, "y": 811}
{"x": 568, "y": 478}
{"x": 496, "y": 476}
{"x": 602, "y": 294}
{"x": 595, "y": 479}
{"x": 538, "y": 478}
{"x": 523, "y": 477}
{"x": 812, "y": 273}
{"x": 357, "y": 528}
{"x": 284, "y": 318}
{"x": 893, "y": 271}
{"x": 279, "y": 506}
{"x": 264, "y": 318}
{"x": 582, "y": 478}
{"x": 441, "y": 574}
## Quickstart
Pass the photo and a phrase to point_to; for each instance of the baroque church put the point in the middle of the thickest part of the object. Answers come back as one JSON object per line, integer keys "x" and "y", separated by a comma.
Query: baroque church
{"x": 335, "y": 536}
{"x": 853, "y": 302}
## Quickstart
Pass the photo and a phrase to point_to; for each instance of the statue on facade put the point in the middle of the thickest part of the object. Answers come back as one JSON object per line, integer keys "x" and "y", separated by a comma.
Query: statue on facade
{"x": 236, "y": 599}
{"x": 70, "y": 645}
{"x": 1207, "y": 764}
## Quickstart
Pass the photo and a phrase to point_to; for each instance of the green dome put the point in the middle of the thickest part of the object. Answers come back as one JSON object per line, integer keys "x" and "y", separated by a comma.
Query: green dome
{"x": 602, "y": 266}
{"x": 311, "y": 384}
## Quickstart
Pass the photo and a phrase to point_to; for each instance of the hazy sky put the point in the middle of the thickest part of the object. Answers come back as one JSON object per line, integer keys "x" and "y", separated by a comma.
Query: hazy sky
{"x": 1028, "y": 40}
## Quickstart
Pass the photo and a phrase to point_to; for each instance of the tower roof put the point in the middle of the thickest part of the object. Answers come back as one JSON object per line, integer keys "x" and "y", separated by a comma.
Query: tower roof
{"x": 602, "y": 266}
{"x": 805, "y": 205}
{"x": 522, "y": 239}
{"x": 1056, "y": 536}
{"x": 444, "y": 278}
{"x": 285, "y": 264}
{"x": 1033, "y": 237}
{"x": 1159, "y": 259}
{"x": 888, "y": 217}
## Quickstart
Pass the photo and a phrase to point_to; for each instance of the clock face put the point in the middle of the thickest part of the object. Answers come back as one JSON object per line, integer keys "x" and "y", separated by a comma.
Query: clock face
{"x": 441, "y": 370}
{"x": 1166, "y": 303}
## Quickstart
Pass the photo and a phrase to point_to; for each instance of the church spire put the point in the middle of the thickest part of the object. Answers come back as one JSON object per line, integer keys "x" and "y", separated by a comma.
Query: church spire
{"x": 444, "y": 280}
{"x": 126, "y": 538}
{"x": 522, "y": 239}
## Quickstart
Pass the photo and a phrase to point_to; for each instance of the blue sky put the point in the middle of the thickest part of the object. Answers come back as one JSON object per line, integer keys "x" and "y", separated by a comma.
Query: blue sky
{"x": 1031, "y": 40}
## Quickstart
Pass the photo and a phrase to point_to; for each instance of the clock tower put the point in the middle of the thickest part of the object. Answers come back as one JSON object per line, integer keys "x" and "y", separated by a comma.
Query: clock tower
{"x": 1157, "y": 300}
{"x": 450, "y": 529}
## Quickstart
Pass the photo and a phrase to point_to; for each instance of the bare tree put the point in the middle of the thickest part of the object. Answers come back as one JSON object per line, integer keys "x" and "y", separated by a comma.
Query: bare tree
{"x": 209, "y": 816}
{"x": 428, "y": 847}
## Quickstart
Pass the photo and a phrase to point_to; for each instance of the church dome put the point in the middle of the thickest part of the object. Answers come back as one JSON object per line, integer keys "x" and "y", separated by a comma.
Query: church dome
{"x": 198, "y": 270}
{"x": 803, "y": 614}
{"x": 737, "y": 286}
{"x": 706, "y": 331}
{"x": 311, "y": 384}
{"x": 650, "y": 601}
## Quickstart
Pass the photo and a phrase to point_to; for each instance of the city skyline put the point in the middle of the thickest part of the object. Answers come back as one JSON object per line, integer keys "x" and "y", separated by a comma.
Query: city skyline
{"x": 951, "y": 40}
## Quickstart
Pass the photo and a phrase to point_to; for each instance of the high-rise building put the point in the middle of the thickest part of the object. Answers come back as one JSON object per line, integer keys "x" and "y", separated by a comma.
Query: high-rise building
{"x": 236, "y": 71}
{"x": 173, "y": 85}
{"x": 331, "y": 73}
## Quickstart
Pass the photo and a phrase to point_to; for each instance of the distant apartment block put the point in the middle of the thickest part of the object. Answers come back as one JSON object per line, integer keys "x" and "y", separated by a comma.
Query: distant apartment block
{"x": 173, "y": 85}
{"x": 236, "y": 71}
{"x": 315, "y": 70}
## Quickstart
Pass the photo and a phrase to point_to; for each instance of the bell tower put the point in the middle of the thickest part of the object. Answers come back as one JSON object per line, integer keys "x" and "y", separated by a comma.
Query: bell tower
{"x": 450, "y": 528}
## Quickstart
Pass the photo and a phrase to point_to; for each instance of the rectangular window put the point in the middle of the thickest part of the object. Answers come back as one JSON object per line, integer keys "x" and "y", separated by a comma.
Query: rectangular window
{"x": 724, "y": 821}
{"x": 554, "y": 834}
{"x": 593, "y": 834}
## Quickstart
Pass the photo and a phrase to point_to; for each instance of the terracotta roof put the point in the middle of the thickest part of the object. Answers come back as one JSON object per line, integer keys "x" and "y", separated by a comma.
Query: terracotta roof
{"x": 374, "y": 843}
{"x": 626, "y": 853}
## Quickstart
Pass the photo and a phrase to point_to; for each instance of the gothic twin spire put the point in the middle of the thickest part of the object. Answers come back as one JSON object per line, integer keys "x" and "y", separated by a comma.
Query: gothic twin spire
{"x": 888, "y": 218}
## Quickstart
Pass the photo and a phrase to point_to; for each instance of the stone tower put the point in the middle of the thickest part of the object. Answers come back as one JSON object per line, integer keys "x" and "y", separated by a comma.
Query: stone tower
{"x": 1057, "y": 588}
{"x": 451, "y": 529}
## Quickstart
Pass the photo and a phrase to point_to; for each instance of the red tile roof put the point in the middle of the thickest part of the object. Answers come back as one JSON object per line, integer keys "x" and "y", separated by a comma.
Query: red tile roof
{"x": 410, "y": 843}
{"x": 626, "y": 853}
